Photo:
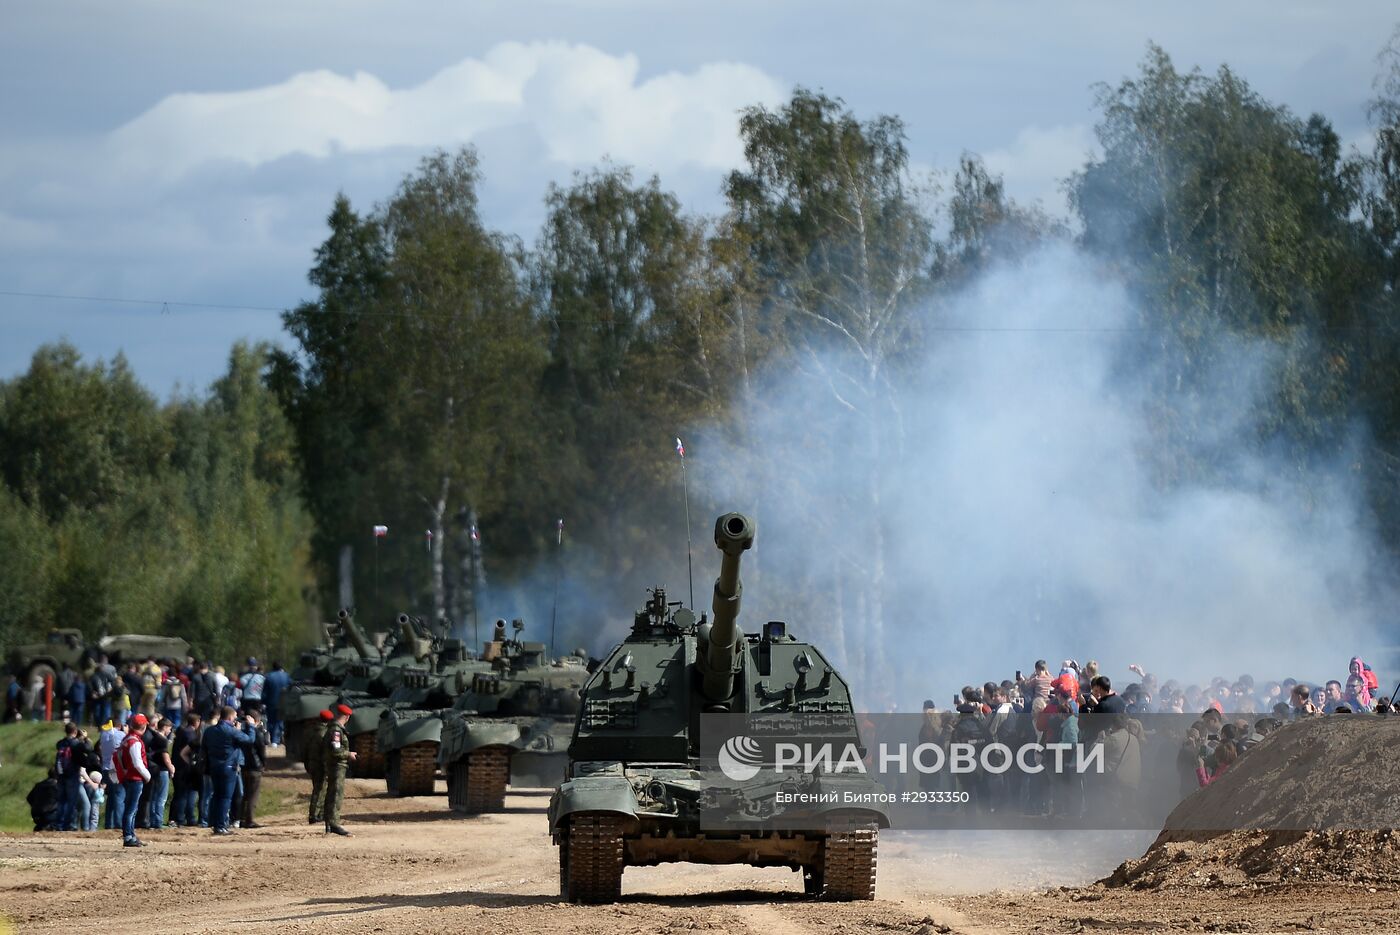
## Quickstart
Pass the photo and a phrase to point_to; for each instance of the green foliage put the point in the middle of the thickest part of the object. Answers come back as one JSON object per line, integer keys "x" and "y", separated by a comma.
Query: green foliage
{"x": 1229, "y": 216}
{"x": 183, "y": 519}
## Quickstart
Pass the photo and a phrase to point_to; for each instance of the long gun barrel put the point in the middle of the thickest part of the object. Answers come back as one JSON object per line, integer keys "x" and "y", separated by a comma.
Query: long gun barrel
{"x": 420, "y": 648}
{"x": 356, "y": 638}
{"x": 734, "y": 534}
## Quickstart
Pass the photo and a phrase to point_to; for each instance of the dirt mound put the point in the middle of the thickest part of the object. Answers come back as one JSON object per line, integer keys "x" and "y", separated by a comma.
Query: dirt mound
{"x": 1314, "y": 802}
{"x": 1332, "y": 773}
{"x": 1265, "y": 857}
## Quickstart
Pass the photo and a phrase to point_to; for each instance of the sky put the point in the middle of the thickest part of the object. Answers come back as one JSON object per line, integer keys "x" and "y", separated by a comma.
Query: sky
{"x": 183, "y": 157}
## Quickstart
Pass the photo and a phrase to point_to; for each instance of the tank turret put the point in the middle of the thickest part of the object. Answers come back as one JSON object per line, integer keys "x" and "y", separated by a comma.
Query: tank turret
{"x": 354, "y": 636}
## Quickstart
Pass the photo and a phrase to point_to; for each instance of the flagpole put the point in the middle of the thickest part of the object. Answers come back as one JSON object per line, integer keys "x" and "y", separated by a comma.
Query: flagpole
{"x": 558, "y": 564}
{"x": 476, "y": 633}
{"x": 689, "y": 550}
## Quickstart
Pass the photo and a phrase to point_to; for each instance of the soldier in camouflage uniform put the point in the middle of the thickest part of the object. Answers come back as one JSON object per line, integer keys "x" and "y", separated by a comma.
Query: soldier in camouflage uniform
{"x": 337, "y": 760}
{"x": 316, "y": 767}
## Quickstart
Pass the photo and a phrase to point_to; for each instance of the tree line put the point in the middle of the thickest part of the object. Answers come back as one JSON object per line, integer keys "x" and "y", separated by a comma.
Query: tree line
{"x": 469, "y": 390}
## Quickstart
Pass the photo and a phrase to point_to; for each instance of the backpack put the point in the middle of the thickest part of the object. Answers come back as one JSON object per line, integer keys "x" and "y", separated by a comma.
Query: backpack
{"x": 970, "y": 729}
{"x": 63, "y": 758}
{"x": 100, "y": 685}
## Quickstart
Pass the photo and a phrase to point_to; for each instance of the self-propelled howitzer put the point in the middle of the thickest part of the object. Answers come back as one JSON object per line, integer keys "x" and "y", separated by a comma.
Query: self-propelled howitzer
{"x": 640, "y": 790}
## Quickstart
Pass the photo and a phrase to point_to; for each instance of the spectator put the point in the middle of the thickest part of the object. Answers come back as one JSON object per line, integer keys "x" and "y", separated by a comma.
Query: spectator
{"x": 63, "y": 686}
{"x": 1209, "y": 769}
{"x": 172, "y": 699}
{"x": 108, "y": 742}
{"x": 1037, "y": 687}
{"x": 162, "y": 771}
{"x": 38, "y": 695}
{"x": 221, "y": 744}
{"x": 204, "y": 692}
{"x": 278, "y": 681}
{"x": 231, "y": 695}
{"x": 150, "y": 688}
{"x": 252, "y": 684}
{"x": 77, "y": 697}
{"x": 188, "y": 780}
{"x": 1357, "y": 697}
{"x": 1332, "y": 696}
{"x": 14, "y": 699}
{"x": 1302, "y": 701}
{"x": 92, "y": 789}
{"x": 101, "y": 684}
{"x": 133, "y": 772}
{"x": 220, "y": 680}
{"x": 1369, "y": 680}
{"x": 43, "y": 803}
{"x": 121, "y": 703}
{"x": 255, "y": 758}
{"x": 68, "y": 765}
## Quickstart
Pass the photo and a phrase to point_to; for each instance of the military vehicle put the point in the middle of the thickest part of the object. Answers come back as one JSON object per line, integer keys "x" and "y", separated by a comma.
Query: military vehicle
{"x": 512, "y": 725}
{"x": 340, "y": 676}
{"x": 37, "y": 660}
{"x": 411, "y": 725}
{"x": 638, "y": 790}
{"x": 327, "y": 662}
{"x": 417, "y": 649}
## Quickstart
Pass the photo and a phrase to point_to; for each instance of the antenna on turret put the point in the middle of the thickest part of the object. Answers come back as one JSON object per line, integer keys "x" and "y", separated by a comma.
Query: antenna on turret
{"x": 685, "y": 488}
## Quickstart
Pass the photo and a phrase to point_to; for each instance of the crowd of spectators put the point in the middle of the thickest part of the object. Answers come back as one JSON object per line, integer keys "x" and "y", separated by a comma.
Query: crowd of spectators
{"x": 1215, "y": 724}
{"x": 178, "y": 744}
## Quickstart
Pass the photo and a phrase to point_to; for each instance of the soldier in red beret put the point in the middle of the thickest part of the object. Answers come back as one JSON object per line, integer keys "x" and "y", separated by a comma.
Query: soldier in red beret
{"x": 337, "y": 757}
{"x": 316, "y": 767}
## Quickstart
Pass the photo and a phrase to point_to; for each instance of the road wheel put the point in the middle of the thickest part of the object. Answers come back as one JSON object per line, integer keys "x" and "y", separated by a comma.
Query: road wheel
{"x": 591, "y": 858}
{"x": 848, "y": 861}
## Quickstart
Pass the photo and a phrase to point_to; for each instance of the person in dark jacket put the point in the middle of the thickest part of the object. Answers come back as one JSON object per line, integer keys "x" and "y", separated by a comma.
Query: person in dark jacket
{"x": 254, "y": 759}
{"x": 43, "y": 803}
{"x": 188, "y": 777}
{"x": 221, "y": 746}
{"x": 204, "y": 693}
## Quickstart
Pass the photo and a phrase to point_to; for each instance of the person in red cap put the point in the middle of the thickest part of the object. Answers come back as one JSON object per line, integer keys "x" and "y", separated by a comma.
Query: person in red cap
{"x": 316, "y": 767}
{"x": 133, "y": 773}
{"x": 338, "y": 755}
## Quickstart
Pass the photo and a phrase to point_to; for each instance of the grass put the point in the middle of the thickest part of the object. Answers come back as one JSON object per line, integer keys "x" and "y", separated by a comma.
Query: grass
{"x": 26, "y": 753}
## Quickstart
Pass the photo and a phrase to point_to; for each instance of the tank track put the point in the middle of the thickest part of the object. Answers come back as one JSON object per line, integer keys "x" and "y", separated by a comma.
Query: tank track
{"x": 369, "y": 763}
{"x": 478, "y": 783}
{"x": 847, "y": 871}
{"x": 412, "y": 770}
{"x": 591, "y": 858}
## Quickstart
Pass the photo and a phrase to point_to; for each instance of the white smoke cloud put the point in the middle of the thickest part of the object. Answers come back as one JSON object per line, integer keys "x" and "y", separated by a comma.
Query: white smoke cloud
{"x": 1023, "y": 519}
{"x": 583, "y": 104}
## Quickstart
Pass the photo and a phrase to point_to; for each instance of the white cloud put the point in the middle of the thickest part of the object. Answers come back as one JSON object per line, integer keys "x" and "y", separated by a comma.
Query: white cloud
{"x": 581, "y": 102}
{"x": 1039, "y": 159}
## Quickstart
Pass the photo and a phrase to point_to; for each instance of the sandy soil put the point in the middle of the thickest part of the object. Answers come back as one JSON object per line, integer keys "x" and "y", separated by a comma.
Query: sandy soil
{"x": 414, "y": 867}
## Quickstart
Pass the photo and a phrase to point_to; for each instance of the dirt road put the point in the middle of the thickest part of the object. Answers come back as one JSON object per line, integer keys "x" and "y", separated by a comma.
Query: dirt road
{"x": 413, "y": 867}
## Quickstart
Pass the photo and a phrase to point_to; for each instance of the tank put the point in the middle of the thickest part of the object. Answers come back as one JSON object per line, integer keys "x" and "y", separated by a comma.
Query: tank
{"x": 340, "y": 676}
{"x": 513, "y": 724}
{"x": 410, "y": 727}
{"x": 638, "y": 790}
{"x": 370, "y": 688}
